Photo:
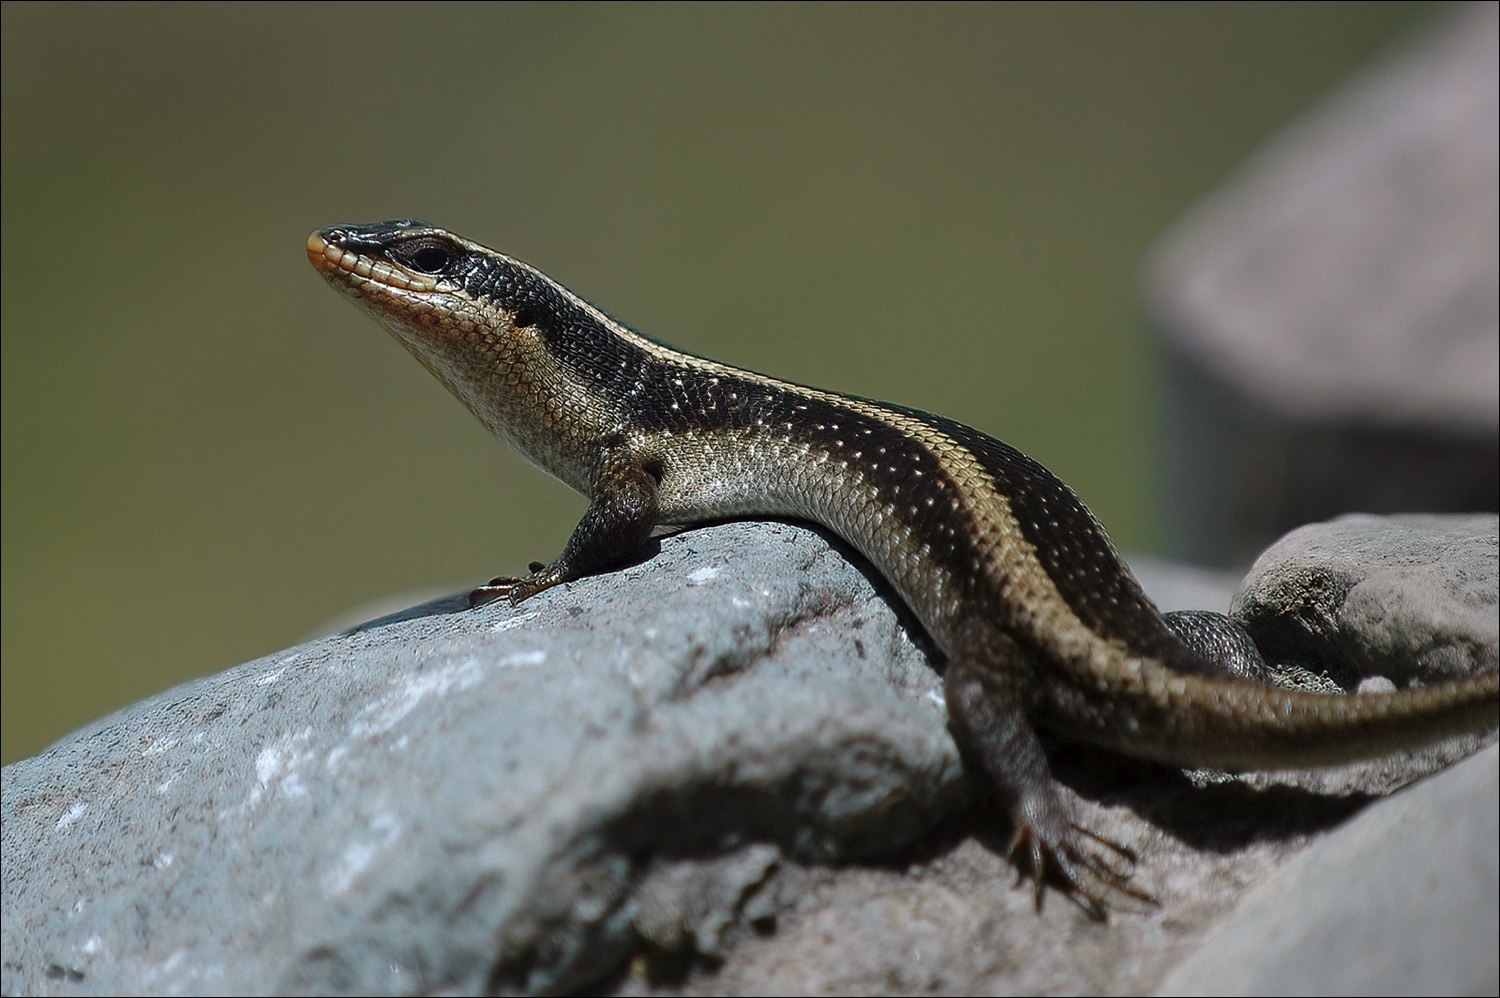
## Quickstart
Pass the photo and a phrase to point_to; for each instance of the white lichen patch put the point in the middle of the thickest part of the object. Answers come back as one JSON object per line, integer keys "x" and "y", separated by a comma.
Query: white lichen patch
{"x": 386, "y": 830}
{"x": 534, "y": 656}
{"x": 278, "y": 768}
{"x": 409, "y": 691}
{"x": 158, "y": 746}
{"x": 73, "y": 813}
{"x": 510, "y": 622}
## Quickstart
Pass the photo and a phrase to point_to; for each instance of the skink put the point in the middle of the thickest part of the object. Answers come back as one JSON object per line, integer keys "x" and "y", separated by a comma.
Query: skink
{"x": 1042, "y": 625}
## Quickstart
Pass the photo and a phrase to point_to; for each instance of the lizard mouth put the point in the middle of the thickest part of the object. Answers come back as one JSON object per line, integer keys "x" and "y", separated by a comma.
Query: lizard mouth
{"x": 338, "y": 263}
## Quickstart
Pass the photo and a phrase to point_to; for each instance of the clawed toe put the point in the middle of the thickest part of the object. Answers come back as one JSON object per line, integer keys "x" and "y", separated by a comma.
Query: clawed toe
{"x": 515, "y": 590}
{"x": 1092, "y": 871}
{"x": 495, "y": 589}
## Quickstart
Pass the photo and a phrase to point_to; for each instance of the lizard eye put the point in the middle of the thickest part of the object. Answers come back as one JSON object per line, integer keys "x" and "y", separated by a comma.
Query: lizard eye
{"x": 426, "y": 255}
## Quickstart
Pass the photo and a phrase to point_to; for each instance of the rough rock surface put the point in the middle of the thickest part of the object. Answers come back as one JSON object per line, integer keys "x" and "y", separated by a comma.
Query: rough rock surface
{"x": 1397, "y": 596}
{"x": 723, "y": 770}
{"x": 1330, "y": 316}
{"x": 1402, "y": 866}
{"x": 392, "y": 809}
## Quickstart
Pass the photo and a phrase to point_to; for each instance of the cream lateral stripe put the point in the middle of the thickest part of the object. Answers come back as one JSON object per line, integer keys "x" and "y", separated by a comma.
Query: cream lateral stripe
{"x": 1104, "y": 661}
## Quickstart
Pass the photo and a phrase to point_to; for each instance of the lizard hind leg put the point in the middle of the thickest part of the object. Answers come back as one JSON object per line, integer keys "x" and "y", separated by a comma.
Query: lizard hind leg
{"x": 988, "y": 716}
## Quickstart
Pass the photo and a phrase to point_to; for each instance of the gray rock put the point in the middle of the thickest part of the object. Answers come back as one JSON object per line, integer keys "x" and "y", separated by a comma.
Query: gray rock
{"x": 1404, "y": 597}
{"x": 1330, "y": 316}
{"x": 453, "y": 800}
{"x": 724, "y": 770}
{"x": 1401, "y": 901}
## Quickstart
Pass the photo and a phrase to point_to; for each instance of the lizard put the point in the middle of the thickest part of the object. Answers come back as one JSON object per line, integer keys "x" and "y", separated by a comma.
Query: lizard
{"x": 1042, "y": 625}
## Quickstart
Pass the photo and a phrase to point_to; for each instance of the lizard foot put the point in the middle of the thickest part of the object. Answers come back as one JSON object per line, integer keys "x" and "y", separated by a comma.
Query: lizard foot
{"x": 514, "y": 590}
{"x": 1093, "y": 871}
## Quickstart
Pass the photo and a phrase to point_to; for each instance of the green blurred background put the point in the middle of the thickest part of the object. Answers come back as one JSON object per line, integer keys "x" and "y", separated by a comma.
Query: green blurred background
{"x": 207, "y": 453}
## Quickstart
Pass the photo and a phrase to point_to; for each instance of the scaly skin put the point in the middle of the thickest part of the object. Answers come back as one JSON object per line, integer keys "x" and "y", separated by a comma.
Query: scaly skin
{"x": 1043, "y": 625}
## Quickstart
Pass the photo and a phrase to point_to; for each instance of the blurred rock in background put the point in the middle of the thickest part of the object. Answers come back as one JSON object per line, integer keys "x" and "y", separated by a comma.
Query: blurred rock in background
{"x": 1330, "y": 316}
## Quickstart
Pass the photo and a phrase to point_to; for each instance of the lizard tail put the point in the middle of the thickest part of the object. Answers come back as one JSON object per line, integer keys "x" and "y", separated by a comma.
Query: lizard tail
{"x": 1230, "y": 723}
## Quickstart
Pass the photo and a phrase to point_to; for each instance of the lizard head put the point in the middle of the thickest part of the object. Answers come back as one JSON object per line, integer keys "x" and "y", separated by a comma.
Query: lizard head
{"x": 523, "y": 353}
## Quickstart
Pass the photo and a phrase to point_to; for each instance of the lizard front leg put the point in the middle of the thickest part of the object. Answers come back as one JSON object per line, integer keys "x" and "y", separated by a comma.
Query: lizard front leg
{"x": 618, "y": 522}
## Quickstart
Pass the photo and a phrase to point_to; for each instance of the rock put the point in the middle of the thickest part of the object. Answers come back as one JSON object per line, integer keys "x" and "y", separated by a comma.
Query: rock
{"x": 1404, "y": 597}
{"x": 1330, "y": 316}
{"x": 723, "y": 770}
{"x": 450, "y": 800}
{"x": 1401, "y": 901}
